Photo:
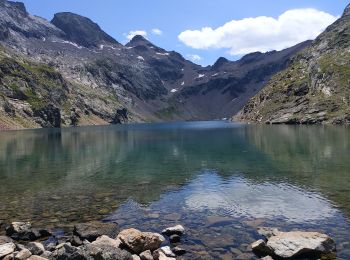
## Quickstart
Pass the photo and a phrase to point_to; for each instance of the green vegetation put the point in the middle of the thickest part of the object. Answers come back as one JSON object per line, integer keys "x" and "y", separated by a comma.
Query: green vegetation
{"x": 167, "y": 113}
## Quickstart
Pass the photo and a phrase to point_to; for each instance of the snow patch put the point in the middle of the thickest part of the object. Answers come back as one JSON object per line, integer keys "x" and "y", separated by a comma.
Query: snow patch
{"x": 106, "y": 46}
{"x": 200, "y": 76}
{"x": 140, "y": 58}
{"x": 163, "y": 53}
{"x": 173, "y": 90}
{"x": 68, "y": 42}
{"x": 214, "y": 75}
{"x": 183, "y": 83}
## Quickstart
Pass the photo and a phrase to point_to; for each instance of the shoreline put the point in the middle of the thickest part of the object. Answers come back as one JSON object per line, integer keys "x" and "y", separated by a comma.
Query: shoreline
{"x": 105, "y": 240}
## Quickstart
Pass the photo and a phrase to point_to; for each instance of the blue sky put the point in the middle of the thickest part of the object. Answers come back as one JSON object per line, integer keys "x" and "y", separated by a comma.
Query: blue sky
{"x": 118, "y": 18}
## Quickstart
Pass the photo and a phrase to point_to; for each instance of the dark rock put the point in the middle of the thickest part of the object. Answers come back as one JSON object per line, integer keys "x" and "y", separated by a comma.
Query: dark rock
{"x": 50, "y": 116}
{"x": 178, "y": 250}
{"x": 36, "y": 248}
{"x": 261, "y": 249}
{"x": 174, "y": 238}
{"x": 76, "y": 241}
{"x": 74, "y": 118}
{"x": 4, "y": 32}
{"x": 105, "y": 252}
{"x": 9, "y": 109}
{"x": 120, "y": 117}
{"x": 81, "y": 30}
{"x": 220, "y": 62}
{"x": 92, "y": 230}
{"x": 24, "y": 231}
{"x": 67, "y": 251}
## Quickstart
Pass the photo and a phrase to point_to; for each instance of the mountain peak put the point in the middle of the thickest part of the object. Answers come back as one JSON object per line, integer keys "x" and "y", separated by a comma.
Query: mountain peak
{"x": 220, "y": 62}
{"x": 17, "y": 5}
{"x": 138, "y": 40}
{"x": 81, "y": 30}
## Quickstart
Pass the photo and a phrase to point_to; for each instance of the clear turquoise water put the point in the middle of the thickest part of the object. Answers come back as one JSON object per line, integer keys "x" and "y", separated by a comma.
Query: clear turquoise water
{"x": 220, "y": 180}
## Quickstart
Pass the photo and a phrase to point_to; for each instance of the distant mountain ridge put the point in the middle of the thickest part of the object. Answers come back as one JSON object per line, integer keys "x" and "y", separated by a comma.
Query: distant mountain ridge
{"x": 314, "y": 89}
{"x": 70, "y": 72}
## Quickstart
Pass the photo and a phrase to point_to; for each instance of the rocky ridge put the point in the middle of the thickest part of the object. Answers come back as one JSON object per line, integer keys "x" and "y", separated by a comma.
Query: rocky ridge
{"x": 314, "y": 89}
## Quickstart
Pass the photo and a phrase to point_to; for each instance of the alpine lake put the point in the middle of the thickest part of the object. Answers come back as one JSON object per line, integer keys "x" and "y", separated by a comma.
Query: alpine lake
{"x": 220, "y": 180}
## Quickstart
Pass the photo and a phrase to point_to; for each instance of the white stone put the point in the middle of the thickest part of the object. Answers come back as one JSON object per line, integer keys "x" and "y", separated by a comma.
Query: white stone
{"x": 167, "y": 251}
{"x": 178, "y": 229}
{"x": 291, "y": 244}
{"x": 7, "y": 249}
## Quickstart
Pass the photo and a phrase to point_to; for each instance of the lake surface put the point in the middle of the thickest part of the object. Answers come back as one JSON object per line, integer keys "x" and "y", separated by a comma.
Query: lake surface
{"x": 220, "y": 180}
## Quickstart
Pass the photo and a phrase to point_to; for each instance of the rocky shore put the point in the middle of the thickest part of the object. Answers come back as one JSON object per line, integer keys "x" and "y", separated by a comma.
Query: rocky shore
{"x": 99, "y": 240}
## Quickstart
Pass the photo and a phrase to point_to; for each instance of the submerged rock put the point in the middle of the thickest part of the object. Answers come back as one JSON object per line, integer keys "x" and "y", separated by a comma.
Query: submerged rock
{"x": 176, "y": 230}
{"x": 174, "y": 238}
{"x": 6, "y": 249}
{"x": 311, "y": 245}
{"x": 138, "y": 241}
{"x": 92, "y": 230}
{"x": 268, "y": 232}
{"x": 178, "y": 250}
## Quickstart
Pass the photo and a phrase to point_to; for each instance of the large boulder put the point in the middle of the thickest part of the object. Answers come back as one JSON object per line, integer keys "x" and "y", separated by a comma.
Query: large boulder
{"x": 92, "y": 230}
{"x": 25, "y": 231}
{"x": 296, "y": 244}
{"x": 138, "y": 241}
{"x": 6, "y": 249}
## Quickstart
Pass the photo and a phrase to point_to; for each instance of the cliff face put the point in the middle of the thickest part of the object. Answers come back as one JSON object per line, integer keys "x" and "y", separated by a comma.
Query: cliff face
{"x": 315, "y": 88}
{"x": 70, "y": 72}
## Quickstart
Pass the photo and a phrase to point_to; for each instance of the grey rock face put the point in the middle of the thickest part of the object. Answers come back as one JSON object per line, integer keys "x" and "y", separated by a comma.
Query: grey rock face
{"x": 81, "y": 30}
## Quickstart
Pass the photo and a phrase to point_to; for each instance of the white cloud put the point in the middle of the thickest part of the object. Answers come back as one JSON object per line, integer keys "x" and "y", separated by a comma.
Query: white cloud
{"x": 157, "y": 31}
{"x": 193, "y": 57}
{"x": 131, "y": 34}
{"x": 260, "y": 33}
